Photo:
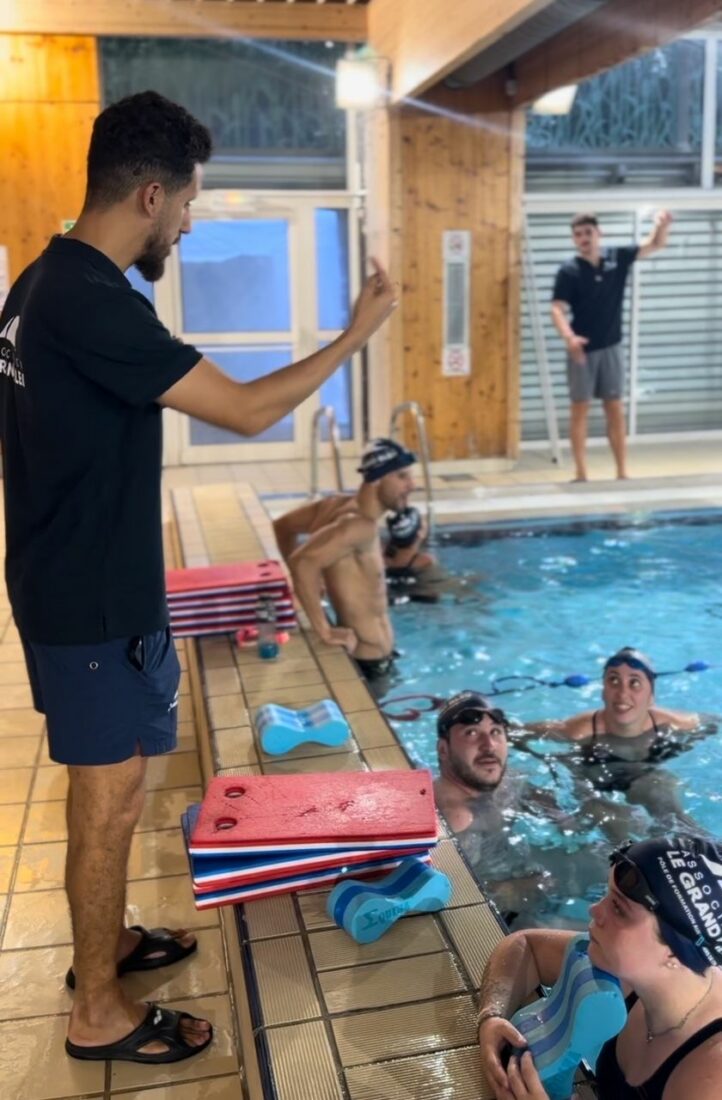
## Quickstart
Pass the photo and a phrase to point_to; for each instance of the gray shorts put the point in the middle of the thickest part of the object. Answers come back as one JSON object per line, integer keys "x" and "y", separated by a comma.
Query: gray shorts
{"x": 601, "y": 376}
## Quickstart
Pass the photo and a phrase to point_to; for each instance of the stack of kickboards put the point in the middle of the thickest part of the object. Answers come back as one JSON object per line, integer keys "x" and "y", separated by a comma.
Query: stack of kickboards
{"x": 221, "y": 599}
{"x": 258, "y": 835}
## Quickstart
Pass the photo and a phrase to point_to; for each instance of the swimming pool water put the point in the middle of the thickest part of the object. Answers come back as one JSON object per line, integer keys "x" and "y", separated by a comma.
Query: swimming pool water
{"x": 549, "y": 601}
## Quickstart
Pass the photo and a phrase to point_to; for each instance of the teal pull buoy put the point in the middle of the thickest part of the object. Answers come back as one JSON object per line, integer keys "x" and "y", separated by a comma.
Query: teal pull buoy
{"x": 368, "y": 909}
{"x": 282, "y": 729}
{"x": 584, "y": 1009}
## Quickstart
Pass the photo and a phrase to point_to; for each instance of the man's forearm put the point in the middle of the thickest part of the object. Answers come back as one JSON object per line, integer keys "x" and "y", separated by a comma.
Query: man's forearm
{"x": 307, "y": 581}
{"x": 286, "y": 541}
{"x": 510, "y": 976}
{"x": 275, "y": 395}
{"x": 562, "y": 325}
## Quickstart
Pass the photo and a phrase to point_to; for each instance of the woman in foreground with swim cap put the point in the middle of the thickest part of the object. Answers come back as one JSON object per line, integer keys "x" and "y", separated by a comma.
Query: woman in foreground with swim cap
{"x": 658, "y": 929}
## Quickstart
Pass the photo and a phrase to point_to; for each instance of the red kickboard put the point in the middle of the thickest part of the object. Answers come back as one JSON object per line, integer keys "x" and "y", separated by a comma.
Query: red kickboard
{"x": 227, "y": 601}
{"x": 265, "y": 812}
{"x": 284, "y": 615}
{"x": 215, "y": 578}
{"x": 340, "y": 863}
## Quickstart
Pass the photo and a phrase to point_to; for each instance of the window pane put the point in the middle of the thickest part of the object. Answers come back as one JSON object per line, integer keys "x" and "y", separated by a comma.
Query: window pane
{"x": 235, "y": 277}
{"x": 638, "y": 124}
{"x": 244, "y": 364}
{"x": 270, "y": 106}
{"x": 337, "y": 391}
{"x": 137, "y": 281}
{"x": 332, "y": 268}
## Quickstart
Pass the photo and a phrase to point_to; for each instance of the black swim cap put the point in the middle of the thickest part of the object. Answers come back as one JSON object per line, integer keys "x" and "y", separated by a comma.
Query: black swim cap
{"x": 384, "y": 456}
{"x": 466, "y": 700}
{"x": 635, "y": 659}
{"x": 404, "y": 527}
{"x": 683, "y": 874}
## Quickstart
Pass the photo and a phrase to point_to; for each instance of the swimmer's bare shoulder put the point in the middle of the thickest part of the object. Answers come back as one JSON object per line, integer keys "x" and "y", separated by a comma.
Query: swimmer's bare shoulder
{"x": 347, "y": 533}
{"x": 307, "y": 519}
{"x": 453, "y": 804}
{"x": 676, "y": 719}
{"x": 576, "y": 728}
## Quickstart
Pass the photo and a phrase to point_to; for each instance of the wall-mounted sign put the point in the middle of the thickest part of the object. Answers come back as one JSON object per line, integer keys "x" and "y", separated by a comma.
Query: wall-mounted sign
{"x": 456, "y": 354}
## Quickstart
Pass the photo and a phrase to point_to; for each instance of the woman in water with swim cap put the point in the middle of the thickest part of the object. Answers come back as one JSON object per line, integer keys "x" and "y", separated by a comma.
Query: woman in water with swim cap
{"x": 621, "y": 744}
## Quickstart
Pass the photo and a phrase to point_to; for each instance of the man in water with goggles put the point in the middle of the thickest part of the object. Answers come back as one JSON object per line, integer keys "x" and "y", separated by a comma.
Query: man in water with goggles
{"x": 658, "y": 929}
{"x": 621, "y": 743}
{"x": 482, "y": 801}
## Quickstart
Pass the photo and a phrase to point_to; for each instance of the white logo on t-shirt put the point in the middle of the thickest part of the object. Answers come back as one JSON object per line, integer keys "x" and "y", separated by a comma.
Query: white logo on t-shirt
{"x": 10, "y": 363}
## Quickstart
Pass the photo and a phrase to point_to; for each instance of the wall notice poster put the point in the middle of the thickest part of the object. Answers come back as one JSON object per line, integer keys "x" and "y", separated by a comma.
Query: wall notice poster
{"x": 456, "y": 355}
{"x": 4, "y": 274}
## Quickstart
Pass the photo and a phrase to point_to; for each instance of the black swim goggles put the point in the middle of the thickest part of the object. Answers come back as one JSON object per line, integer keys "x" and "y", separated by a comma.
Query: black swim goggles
{"x": 630, "y": 881}
{"x": 472, "y": 716}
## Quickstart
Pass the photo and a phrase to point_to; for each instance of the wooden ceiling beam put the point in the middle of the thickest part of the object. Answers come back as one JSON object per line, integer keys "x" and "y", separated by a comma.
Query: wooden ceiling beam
{"x": 186, "y": 19}
{"x": 615, "y": 33}
{"x": 425, "y": 40}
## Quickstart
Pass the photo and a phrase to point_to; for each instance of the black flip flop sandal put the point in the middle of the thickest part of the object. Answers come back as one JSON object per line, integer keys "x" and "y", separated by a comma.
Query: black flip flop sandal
{"x": 145, "y": 955}
{"x": 160, "y": 1025}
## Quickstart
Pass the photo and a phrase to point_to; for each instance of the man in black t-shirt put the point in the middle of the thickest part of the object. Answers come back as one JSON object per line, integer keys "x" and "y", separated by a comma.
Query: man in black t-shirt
{"x": 592, "y": 285}
{"x": 85, "y": 369}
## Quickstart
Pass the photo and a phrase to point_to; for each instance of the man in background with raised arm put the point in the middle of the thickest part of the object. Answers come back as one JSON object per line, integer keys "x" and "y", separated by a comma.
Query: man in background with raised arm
{"x": 591, "y": 286}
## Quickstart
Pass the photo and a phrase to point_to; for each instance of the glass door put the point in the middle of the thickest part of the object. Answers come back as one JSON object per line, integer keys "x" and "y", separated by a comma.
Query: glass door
{"x": 260, "y": 282}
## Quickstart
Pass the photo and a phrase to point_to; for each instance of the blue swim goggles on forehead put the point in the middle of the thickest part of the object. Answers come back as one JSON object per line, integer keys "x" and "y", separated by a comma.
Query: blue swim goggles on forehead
{"x": 472, "y": 716}
{"x": 630, "y": 881}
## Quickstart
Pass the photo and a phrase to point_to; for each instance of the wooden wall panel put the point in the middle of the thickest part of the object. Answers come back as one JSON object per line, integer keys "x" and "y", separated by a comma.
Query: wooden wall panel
{"x": 462, "y": 174}
{"x": 49, "y": 96}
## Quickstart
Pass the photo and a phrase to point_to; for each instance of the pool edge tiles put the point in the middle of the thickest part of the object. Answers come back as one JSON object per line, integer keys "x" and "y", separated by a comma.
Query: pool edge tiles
{"x": 276, "y": 930}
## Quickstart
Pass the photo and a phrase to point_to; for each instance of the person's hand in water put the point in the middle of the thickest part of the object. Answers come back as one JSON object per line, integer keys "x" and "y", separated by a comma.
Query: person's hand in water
{"x": 377, "y": 300}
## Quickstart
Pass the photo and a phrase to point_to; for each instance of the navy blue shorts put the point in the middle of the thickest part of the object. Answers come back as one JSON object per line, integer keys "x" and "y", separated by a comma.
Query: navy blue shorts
{"x": 104, "y": 703}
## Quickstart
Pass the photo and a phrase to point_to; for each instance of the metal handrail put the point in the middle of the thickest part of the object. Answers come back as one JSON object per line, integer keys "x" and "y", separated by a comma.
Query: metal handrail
{"x": 325, "y": 413}
{"x": 414, "y": 408}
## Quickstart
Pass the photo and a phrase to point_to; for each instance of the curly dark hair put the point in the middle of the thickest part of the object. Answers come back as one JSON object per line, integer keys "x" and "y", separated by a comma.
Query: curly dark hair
{"x": 141, "y": 138}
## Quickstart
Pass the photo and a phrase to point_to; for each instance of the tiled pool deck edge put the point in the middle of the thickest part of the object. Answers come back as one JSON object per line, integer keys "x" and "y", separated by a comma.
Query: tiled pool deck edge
{"x": 331, "y": 1021}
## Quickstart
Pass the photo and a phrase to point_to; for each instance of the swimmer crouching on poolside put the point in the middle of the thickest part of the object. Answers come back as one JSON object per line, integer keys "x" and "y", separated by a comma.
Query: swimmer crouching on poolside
{"x": 343, "y": 555}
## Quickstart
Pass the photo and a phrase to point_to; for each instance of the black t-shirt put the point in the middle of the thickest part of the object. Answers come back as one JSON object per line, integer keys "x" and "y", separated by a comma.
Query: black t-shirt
{"x": 83, "y": 359}
{"x": 596, "y": 294}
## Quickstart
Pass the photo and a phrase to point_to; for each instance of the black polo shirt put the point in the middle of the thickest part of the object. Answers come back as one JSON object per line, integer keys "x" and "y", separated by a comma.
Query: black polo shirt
{"x": 596, "y": 294}
{"x": 83, "y": 359}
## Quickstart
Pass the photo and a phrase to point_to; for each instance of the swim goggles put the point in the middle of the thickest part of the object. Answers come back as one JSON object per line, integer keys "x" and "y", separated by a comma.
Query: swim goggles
{"x": 472, "y": 716}
{"x": 633, "y": 662}
{"x": 630, "y": 881}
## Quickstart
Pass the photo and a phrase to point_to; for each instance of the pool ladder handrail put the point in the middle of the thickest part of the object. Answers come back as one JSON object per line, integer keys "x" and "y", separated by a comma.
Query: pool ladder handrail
{"x": 414, "y": 408}
{"x": 325, "y": 412}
